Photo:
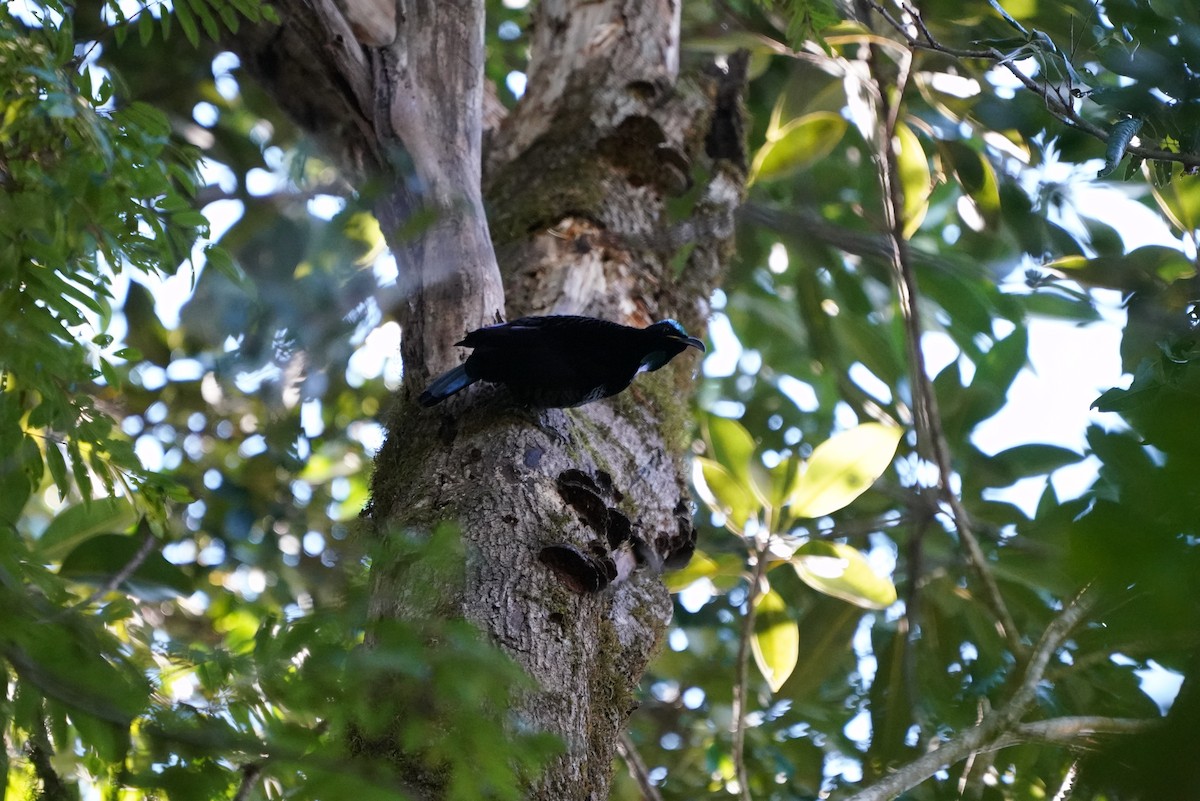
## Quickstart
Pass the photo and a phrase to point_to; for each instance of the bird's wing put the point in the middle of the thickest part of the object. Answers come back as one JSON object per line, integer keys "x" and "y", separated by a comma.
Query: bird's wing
{"x": 524, "y": 331}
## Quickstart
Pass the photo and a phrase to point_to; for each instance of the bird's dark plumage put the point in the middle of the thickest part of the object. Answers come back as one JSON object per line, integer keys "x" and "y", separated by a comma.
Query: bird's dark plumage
{"x": 561, "y": 361}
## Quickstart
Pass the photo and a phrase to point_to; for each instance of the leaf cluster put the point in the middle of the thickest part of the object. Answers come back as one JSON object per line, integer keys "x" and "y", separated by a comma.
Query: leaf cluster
{"x": 1003, "y": 248}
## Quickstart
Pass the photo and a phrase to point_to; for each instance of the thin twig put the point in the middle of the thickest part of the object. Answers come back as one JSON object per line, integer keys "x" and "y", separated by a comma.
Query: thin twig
{"x": 995, "y": 725}
{"x": 129, "y": 568}
{"x": 637, "y": 768}
{"x": 250, "y": 775}
{"x": 1055, "y": 104}
{"x": 743, "y": 666}
{"x": 931, "y": 439}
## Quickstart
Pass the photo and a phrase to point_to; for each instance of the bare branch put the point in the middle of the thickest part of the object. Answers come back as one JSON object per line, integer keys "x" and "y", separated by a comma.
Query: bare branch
{"x": 995, "y": 725}
{"x": 637, "y": 768}
{"x": 1072, "y": 730}
{"x": 127, "y": 570}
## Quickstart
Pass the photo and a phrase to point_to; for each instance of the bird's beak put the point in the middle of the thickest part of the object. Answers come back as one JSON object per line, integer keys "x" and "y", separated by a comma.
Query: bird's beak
{"x": 692, "y": 342}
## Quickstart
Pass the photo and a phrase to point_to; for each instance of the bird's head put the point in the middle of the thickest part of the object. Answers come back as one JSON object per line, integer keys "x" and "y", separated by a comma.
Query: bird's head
{"x": 668, "y": 340}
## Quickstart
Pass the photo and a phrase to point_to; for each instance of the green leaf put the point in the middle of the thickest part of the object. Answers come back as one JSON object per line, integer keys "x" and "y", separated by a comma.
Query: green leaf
{"x": 187, "y": 22}
{"x": 1033, "y": 459}
{"x": 776, "y": 642}
{"x": 14, "y": 492}
{"x": 111, "y": 740}
{"x": 841, "y": 571}
{"x": 733, "y": 447}
{"x": 58, "y": 467}
{"x": 205, "y": 15}
{"x": 704, "y": 566}
{"x": 1179, "y": 202}
{"x": 915, "y": 178}
{"x": 977, "y": 178}
{"x": 842, "y": 468}
{"x": 797, "y": 145}
{"x": 219, "y": 258}
{"x": 145, "y": 25}
{"x": 724, "y": 493}
{"x": 81, "y": 522}
{"x": 67, "y": 663}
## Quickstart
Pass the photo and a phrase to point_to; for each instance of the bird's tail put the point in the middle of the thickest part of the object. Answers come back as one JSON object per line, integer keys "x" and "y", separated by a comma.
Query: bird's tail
{"x": 446, "y": 385}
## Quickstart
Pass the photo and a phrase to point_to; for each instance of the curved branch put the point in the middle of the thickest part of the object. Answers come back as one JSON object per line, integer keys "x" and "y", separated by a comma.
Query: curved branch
{"x": 990, "y": 732}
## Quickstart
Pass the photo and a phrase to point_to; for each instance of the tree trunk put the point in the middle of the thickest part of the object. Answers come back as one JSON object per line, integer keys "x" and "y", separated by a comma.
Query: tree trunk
{"x": 566, "y": 516}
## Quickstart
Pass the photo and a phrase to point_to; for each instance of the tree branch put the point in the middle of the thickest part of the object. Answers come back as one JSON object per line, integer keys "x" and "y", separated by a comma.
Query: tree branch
{"x": 127, "y": 570}
{"x": 741, "y": 682}
{"x": 1061, "y": 108}
{"x": 1070, "y": 730}
{"x": 637, "y": 768}
{"x": 995, "y": 725}
{"x": 429, "y": 119}
{"x": 40, "y": 753}
{"x": 931, "y": 439}
{"x": 250, "y": 775}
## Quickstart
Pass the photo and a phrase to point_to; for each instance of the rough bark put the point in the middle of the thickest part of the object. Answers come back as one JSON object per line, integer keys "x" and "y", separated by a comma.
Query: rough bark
{"x": 578, "y": 182}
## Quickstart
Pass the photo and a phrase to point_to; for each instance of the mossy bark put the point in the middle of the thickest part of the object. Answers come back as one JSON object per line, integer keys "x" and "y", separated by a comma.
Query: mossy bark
{"x": 578, "y": 186}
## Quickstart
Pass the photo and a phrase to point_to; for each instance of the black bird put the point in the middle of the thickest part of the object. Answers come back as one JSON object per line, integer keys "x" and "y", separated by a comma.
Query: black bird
{"x": 561, "y": 361}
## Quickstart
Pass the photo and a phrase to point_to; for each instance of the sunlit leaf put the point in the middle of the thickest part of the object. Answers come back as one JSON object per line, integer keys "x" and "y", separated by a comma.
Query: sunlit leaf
{"x": 776, "y": 642}
{"x": 1179, "y": 201}
{"x": 977, "y": 178}
{"x": 798, "y": 145}
{"x": 1138, "y": 269}
{"x": 843, "y": 572}
{"x": 732, "y": 447}
{"x": 842, "y": 468}
{"x": 724, "y": 493}
{"x": 915, "y": 178}
{"x": 704, "y": 566}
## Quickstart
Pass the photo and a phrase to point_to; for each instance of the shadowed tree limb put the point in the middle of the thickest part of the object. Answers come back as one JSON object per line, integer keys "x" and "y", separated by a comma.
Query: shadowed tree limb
{"x": 1000, "y": 723}
{"x": 637, "y": 768}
